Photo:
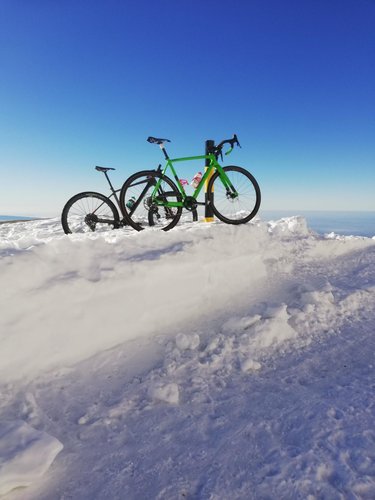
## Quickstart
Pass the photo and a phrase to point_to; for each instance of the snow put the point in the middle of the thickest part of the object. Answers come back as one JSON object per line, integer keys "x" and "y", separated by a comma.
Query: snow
{"x": 211, "y": 361}
{"x": 25, "y": 454}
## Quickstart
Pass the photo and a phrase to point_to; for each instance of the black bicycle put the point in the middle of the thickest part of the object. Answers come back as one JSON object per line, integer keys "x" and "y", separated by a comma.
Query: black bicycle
{"x": 91, "y": 211}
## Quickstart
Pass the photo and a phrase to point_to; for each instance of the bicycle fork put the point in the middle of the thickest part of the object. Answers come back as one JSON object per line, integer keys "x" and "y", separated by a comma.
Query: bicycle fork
{"x": 231, "y": 191}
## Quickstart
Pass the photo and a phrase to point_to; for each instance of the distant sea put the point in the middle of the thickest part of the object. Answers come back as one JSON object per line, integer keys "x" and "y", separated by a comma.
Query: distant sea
{"x": 323, "y": 222}
{"x": 14, "y": 217}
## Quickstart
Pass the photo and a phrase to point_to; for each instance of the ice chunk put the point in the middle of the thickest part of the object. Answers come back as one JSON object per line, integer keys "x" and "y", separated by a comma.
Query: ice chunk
{"x": 184, "y": 341}
{"x": 25, "y": 454}
{"x": 168, "y": 393}
{"x": 249, "y": 365}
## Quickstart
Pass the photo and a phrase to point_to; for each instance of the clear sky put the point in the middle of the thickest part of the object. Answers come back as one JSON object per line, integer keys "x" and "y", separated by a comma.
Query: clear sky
{"x": 85, "y": 82}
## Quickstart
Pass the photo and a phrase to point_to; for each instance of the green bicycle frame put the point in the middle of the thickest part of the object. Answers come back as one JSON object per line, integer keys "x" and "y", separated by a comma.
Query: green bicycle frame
{"x": 213, "y": 164}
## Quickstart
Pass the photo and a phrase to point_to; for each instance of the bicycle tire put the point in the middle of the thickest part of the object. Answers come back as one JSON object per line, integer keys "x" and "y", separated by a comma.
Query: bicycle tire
{"x": 88, "y": 212}
{"x": 135, "y": 200}
{"x": 243, "y": 207}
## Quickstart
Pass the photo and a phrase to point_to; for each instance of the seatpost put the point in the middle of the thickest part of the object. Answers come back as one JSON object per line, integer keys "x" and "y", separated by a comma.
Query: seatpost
{"x": 109, "y": 182}
{"x": 164, "y": 151}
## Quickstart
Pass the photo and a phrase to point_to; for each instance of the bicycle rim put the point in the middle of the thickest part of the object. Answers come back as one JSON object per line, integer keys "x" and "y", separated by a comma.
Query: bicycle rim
{"x": 138, "y": 208}
{"x": 241, "y": 207}
{"x": 89, "y": 212}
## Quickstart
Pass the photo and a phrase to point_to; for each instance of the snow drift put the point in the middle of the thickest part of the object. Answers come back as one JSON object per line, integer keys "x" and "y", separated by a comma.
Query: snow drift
{"x": 150, "y": 342}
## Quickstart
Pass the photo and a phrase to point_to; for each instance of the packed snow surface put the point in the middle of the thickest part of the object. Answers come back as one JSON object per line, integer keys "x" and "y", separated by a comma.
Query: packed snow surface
{"x": 208, "y": 362}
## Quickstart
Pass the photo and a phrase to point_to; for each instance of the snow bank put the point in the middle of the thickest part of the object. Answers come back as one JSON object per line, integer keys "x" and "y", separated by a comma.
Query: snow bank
{"x": 69, "y": 297}
{"x": 65, "y": 298}
{"x": 160, "y": 348}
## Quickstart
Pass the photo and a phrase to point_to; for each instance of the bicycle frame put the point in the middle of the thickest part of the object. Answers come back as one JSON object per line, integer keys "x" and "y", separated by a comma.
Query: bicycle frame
{"x": 213, "y": 164}
{"x": 113, "y": 191}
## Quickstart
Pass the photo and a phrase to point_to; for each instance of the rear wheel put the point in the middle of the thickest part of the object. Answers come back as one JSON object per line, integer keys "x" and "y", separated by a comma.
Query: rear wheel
{"x": 238, "y": 203}
{"x": 87, "y": 212}
{"x": 137, "y": 206}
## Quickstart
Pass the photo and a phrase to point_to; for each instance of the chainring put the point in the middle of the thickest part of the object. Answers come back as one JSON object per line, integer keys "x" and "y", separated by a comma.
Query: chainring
{"x": 190, "y": 203}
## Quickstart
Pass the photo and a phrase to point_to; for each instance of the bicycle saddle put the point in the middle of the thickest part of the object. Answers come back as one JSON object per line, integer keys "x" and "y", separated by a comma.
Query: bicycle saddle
{"x": 155, "y": 140}
{"x": 103, "y": 169}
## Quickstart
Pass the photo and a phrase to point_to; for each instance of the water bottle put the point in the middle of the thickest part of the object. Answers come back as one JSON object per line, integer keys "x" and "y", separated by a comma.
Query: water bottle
{"x": 131, "y": 202}
{"x": 196, "y": 180}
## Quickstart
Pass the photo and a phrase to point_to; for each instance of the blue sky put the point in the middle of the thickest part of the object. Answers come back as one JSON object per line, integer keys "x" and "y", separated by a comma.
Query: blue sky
{"x": 84, "y": 83}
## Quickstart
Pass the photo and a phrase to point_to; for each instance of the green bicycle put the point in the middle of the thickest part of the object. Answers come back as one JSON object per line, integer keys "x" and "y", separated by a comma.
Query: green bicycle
{"x": 232, "y": 192}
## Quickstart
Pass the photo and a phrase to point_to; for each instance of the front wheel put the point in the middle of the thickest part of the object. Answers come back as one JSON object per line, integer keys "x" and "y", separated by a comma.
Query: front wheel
{"x": 235, "y": 202}
{"x": 87, "y": 212}
{"x": 137, "y": 204}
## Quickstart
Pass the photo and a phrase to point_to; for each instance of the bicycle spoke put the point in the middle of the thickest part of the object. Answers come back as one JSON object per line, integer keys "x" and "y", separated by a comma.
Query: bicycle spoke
{"x": 240, "y": 205}
{"x": 138, "y": 206}
{"x": 88, "y": 212}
